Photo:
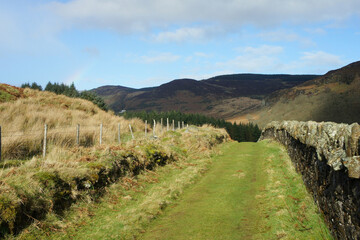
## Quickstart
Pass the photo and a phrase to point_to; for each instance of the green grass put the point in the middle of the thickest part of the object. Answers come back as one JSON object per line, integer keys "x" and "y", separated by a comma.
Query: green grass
{"x": 5, "y": 96}
{"x": 123, "y": 209}
{"x": 250, "y": 191}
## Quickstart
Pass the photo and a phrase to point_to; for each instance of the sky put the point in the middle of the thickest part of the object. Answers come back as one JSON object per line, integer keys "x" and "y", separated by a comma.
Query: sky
{"x": 145, "y": 43}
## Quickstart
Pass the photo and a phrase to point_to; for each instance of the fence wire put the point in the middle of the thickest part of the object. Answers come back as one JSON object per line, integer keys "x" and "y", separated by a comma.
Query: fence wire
{"x": 73, "y": 131}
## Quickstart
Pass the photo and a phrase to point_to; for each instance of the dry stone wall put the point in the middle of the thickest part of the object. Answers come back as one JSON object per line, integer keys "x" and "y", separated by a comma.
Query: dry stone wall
{"x": 327, "y": 156}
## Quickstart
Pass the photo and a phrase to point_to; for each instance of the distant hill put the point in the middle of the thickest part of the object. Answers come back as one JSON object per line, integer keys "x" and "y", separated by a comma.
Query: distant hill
{"x": 334, "y": 96}
{"x": 222, "y": 96}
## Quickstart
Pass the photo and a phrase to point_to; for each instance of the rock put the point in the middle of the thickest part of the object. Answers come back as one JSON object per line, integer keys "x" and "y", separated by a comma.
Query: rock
{"x": 326, "y": 154}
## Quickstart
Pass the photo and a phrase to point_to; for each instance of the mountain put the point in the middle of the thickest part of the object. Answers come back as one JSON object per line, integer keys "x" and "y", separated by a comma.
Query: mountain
{"x": 222, "y": 96}
{"x": 334, "y": 97}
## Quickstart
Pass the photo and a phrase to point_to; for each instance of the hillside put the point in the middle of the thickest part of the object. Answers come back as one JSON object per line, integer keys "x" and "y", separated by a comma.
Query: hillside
{"x": 221, "y": 96}
{"x": 38, "y": 189}
{"x": 23, "y": 113}
{"x": 332, "y": 97}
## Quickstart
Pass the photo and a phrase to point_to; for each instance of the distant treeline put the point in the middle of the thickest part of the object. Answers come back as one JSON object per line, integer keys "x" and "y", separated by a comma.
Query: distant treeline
{"x": 239, "y": 132}
{"x": 70, "y": 91}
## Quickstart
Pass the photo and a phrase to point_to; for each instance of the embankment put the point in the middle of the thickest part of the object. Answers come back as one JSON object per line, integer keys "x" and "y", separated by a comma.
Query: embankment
{"x": 327, "y": 156}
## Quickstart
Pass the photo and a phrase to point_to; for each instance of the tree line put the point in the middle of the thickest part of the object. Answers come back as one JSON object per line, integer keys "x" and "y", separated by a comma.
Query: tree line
{"x": 240, "y": 132}
{"x": 70, "y": 91}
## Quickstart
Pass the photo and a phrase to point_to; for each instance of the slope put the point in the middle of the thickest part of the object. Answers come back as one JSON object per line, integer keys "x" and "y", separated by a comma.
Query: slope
{"x": 332, "y": 97}
{"x": 23, "y": 113}
{"x": 35, "y": 187}
{"x": 221, "y": 96}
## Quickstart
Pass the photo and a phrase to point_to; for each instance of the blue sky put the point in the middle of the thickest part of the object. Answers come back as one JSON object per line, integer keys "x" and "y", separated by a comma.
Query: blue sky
{"x": 143, "y": 43}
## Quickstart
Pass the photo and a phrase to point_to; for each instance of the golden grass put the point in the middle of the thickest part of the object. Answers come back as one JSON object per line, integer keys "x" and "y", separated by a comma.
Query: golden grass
{"x": 23, "y": 121}
{"x": 71, "y": 172}
{"x": 68, "y": 174}
{"x": 83, "y": 163}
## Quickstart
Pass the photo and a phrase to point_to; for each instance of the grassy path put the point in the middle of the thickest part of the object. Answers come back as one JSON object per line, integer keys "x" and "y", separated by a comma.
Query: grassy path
{"x": 239, "y": 198}
{"x": 250, "y": 191}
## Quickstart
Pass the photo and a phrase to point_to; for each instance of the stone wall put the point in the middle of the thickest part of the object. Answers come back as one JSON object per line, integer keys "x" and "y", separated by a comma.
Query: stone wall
{"x": 327, "y": 156}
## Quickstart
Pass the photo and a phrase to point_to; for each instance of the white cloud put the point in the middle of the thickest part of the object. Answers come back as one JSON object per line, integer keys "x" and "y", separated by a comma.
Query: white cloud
{"x": 260, "y": 59}
{"x": 254, "y": 64}
{"x": 158, "y": 57}
{"x": 262, "y": 50}
{"x": 316, "y": 62}
{"x": 318, "y": 31}
{"x": 181, "y": 35}
{"x": 29, "y": 29}
{"x": 142, "y": 15}
{"x": 267, "y": 59}
{"x": 285, "y": 36}
{"x": 321, "y": 59}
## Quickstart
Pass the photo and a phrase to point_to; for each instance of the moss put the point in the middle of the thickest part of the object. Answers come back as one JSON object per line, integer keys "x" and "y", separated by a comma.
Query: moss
{"x": 8, "y": 93}
{"x": 59, "y": 191}
{"x": 96, "y": 165}
{"x": 156, "y": 155}
{"x": 48, "y": 179}
{"x": 8, "y": 210}
{"x": 6, "y": 97}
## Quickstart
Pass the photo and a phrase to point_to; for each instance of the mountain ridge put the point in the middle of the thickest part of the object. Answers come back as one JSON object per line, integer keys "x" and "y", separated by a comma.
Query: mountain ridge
{"x": 332, "y": 97}
{"x": 215, "y": 96}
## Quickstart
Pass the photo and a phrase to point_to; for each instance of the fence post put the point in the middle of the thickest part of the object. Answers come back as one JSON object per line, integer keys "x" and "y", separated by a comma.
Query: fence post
{"x": 183, "y": 124}
{"x": 173, "y": 125}
{"x": 167, "y": 124}
{"x": 0, "y": 143}
{"x": 161, "y": 125}
{"x": 132, "y": 135}
{"x": 154, "y": 127}
{"x": 45, "y": 140}
{"x": 78, "y": 134}
{"x": 179, "y": 125}
{"x": 119, "y": 139}
{"x": 145, "y": 128}
{"x": 101, "y": 132}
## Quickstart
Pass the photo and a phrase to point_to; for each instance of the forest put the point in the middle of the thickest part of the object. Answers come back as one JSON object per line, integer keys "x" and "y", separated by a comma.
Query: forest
{"x": 240, "y": 132}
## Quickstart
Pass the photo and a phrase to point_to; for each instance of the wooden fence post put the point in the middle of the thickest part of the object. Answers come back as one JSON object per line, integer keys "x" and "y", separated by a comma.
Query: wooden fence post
{"x": 78, "y": 134}
{"x": 161, "y": 125}
{"x": 183, "y": 124}
{"x": 132, "y": 135}
{"x": 0, "y": 143}
{"x": 45, "y": 141}
{"x": 154, "y": 127}
{"x": 167, "y": 124}
{"x": 179, "y": 125}
{"x": 145, "y": 128}
{"x": 119, "y": 137}
{"x": 101, "y": 132}
{"x": 173, "y": 125}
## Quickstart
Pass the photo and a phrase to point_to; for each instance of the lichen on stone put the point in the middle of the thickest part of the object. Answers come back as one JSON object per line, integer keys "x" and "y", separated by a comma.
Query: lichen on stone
{"x": 337, "y": 143}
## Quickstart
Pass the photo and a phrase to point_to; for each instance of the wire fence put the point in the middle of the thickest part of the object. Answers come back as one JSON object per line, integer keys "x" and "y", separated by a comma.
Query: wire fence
{"x": 18, "y": 144}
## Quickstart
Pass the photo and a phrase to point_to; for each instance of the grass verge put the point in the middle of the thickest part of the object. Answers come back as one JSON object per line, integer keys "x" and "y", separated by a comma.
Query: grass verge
{"x": 59, "y": 177}
{"x": 251, "y": 192}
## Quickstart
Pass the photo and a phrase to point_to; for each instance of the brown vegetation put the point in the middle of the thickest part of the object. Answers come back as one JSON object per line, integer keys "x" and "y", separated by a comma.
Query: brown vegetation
{"x": 32, "y": 189}
{"x": 22, "y": 120}
{"x": 332, "y": 97}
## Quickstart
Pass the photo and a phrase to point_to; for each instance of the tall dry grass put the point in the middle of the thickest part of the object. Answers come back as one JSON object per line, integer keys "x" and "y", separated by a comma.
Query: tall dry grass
{"x": 22, "y": 122}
